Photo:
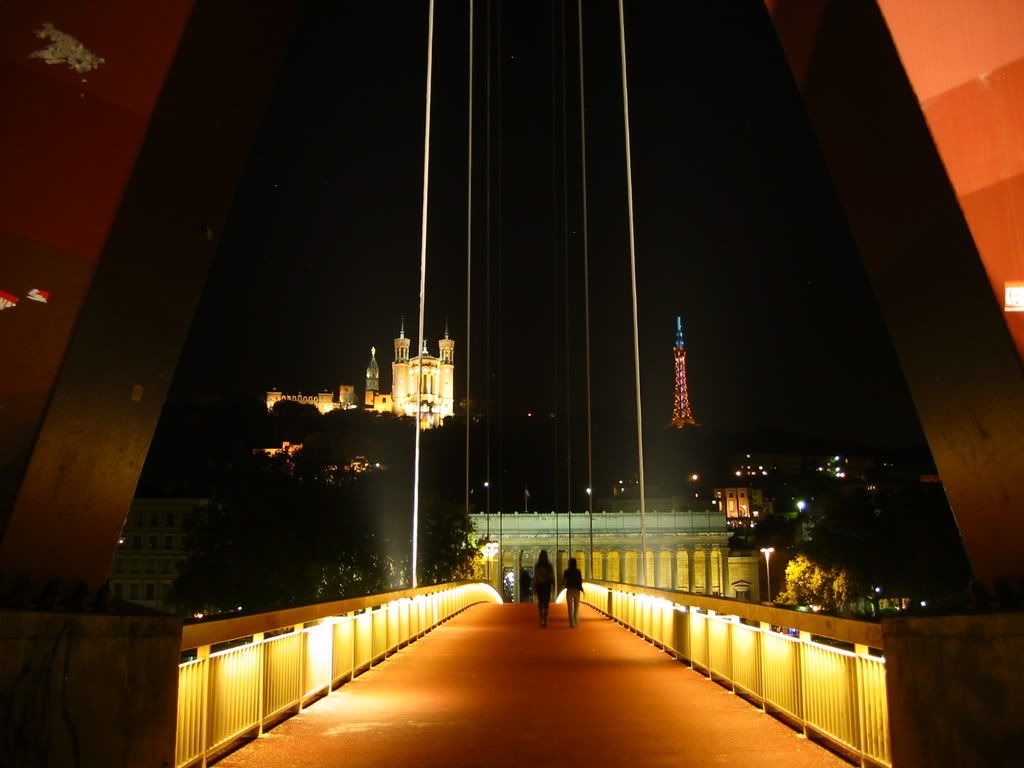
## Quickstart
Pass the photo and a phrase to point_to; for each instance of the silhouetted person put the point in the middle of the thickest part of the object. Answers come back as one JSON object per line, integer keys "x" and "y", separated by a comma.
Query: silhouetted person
{"x": 573, "y": 580}
{"x": 543, "y": 581}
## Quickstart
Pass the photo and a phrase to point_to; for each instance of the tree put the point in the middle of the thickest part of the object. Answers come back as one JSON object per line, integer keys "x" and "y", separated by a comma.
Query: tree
{"x": 809, "y": 584}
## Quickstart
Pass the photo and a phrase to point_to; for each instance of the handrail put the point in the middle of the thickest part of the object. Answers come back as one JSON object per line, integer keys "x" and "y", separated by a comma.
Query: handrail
{"x": 837, "y": 694}
{"x": 834, "y": 627}
{"x": 217, "y": 631}
{"x": 230, "y": 695}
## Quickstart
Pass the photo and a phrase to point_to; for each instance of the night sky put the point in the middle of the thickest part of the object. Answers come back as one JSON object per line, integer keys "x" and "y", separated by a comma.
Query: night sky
{"x": 738, "y": 228}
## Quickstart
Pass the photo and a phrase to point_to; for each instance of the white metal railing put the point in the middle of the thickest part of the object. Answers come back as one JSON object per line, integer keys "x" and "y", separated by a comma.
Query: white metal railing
{"x": 234, "y": 693}
{"x": 835, "y": 693}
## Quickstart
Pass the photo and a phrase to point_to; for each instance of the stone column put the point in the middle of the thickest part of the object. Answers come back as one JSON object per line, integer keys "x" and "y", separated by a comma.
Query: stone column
{"x": 622, "y": 566}
{"x": 726, "y": 582}
{"x": 707, "y": 570}
{"x": 674, "y": 569}
{"x": 690, "y": 566}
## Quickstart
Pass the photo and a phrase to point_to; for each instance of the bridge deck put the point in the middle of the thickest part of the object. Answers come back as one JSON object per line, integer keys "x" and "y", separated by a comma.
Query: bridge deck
{"x": 492, "y": 688}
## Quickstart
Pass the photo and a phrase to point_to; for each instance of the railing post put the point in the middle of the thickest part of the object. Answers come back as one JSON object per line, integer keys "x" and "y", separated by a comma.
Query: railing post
{"x": 761, "y": 642}
{"x": 330, "y": 656}
{"x": 261, "y": 649}
{"x": 858, "y": 700}
{"x": 805, "y": 638}
{"x": 203, "y": 653}
{"x": 302, "y": 664}
{"x": 730, "y": 638}
{"x": 707, "y": 642}
{"x": 352, "y": 645}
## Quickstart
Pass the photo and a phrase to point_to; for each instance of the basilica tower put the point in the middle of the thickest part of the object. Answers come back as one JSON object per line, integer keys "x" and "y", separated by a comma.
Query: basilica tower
{"x": 372, "y": 380}
{"x": 400, "y": 391}
{"x": 446, "y": 350}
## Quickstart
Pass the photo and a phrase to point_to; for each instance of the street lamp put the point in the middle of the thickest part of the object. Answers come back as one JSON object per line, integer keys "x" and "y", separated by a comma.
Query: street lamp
{"x": 801, "y": 505}
{"x": 767, "y": 569}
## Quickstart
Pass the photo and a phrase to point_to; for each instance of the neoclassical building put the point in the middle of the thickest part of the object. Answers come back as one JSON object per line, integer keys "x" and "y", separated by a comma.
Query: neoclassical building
{"x": 687, "y": 550}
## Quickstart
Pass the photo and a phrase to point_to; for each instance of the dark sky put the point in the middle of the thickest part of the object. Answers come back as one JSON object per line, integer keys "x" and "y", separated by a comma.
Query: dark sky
{"x": 738, "y": 228}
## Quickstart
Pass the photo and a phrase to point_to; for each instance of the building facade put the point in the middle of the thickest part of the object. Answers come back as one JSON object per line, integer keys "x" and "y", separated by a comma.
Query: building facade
{"x": 433, "y": 377}
{"x": 325, "y": 402}
{"x": 685, "y": 550}
{"x": 150, "y": 549}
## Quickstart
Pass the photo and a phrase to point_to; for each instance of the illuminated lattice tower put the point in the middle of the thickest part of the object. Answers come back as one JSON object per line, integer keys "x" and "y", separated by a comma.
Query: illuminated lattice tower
{"x": 682, "y": 416}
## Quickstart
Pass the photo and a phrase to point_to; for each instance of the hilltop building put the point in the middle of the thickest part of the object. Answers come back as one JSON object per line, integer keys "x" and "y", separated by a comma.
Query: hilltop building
{"x": 325, "y": 402}
{"x": 433, "y": 377}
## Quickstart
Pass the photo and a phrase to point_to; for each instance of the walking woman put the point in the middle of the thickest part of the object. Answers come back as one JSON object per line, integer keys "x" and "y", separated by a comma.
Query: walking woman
{"x": 573, "y": 580}
{"x": 543, "y": 581}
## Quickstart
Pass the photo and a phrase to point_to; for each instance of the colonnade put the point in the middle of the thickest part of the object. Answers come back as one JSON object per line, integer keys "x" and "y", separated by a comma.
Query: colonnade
{"x": 683, "y": 549}
{"x": 694, "y": 568}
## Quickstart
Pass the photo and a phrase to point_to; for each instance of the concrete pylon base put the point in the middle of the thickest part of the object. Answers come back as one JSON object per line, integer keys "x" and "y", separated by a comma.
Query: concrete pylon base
{"x": 88, "y": 689}
{"x": 955, "y": 689}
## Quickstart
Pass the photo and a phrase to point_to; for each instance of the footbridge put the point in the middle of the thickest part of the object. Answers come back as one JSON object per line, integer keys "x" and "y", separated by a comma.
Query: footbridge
{"x": 450, "y": 676}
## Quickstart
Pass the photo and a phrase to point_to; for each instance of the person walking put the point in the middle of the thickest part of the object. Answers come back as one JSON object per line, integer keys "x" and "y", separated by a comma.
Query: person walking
{"x": 543, "y": 581}
{"x": 573, "y": 580}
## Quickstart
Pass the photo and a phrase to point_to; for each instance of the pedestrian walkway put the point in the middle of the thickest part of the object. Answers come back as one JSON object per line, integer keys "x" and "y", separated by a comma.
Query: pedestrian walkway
{"x": 492, "y": 688}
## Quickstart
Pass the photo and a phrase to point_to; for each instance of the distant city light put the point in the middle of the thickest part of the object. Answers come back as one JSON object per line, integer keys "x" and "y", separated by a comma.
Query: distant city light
{"x": 738, "y": 473}
{"x": 801, "y": 505}
{"x": 588, "y": 491}
{"x": 695, "y": 477}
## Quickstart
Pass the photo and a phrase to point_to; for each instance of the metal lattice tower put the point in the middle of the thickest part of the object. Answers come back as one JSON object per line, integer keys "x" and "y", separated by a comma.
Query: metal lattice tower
{"x": 682, "y": 415}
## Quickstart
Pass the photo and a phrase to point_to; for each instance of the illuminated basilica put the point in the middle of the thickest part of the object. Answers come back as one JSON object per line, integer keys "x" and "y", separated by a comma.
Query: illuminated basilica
{"x": 435, "y": 376}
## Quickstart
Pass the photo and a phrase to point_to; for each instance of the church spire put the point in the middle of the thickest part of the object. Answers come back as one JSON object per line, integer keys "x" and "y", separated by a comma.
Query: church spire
{"x": 401, "y": 332}
{"x": 373, "y": 372}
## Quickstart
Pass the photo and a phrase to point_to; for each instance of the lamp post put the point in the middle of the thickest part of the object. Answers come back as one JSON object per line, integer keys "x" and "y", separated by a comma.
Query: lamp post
{"x": 590, "y": 522}
{"x": 767, "y": 569}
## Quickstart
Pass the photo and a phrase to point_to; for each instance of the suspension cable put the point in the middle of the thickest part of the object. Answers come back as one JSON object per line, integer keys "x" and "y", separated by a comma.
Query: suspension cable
{"x": 469, "y": 239}
{"x": 632, "y": 275}
{"x": 423, "y": 292}
{"x": 556, "y": 362}
{"x": 586, "y": 287}
{"x": 565, "y": 288}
